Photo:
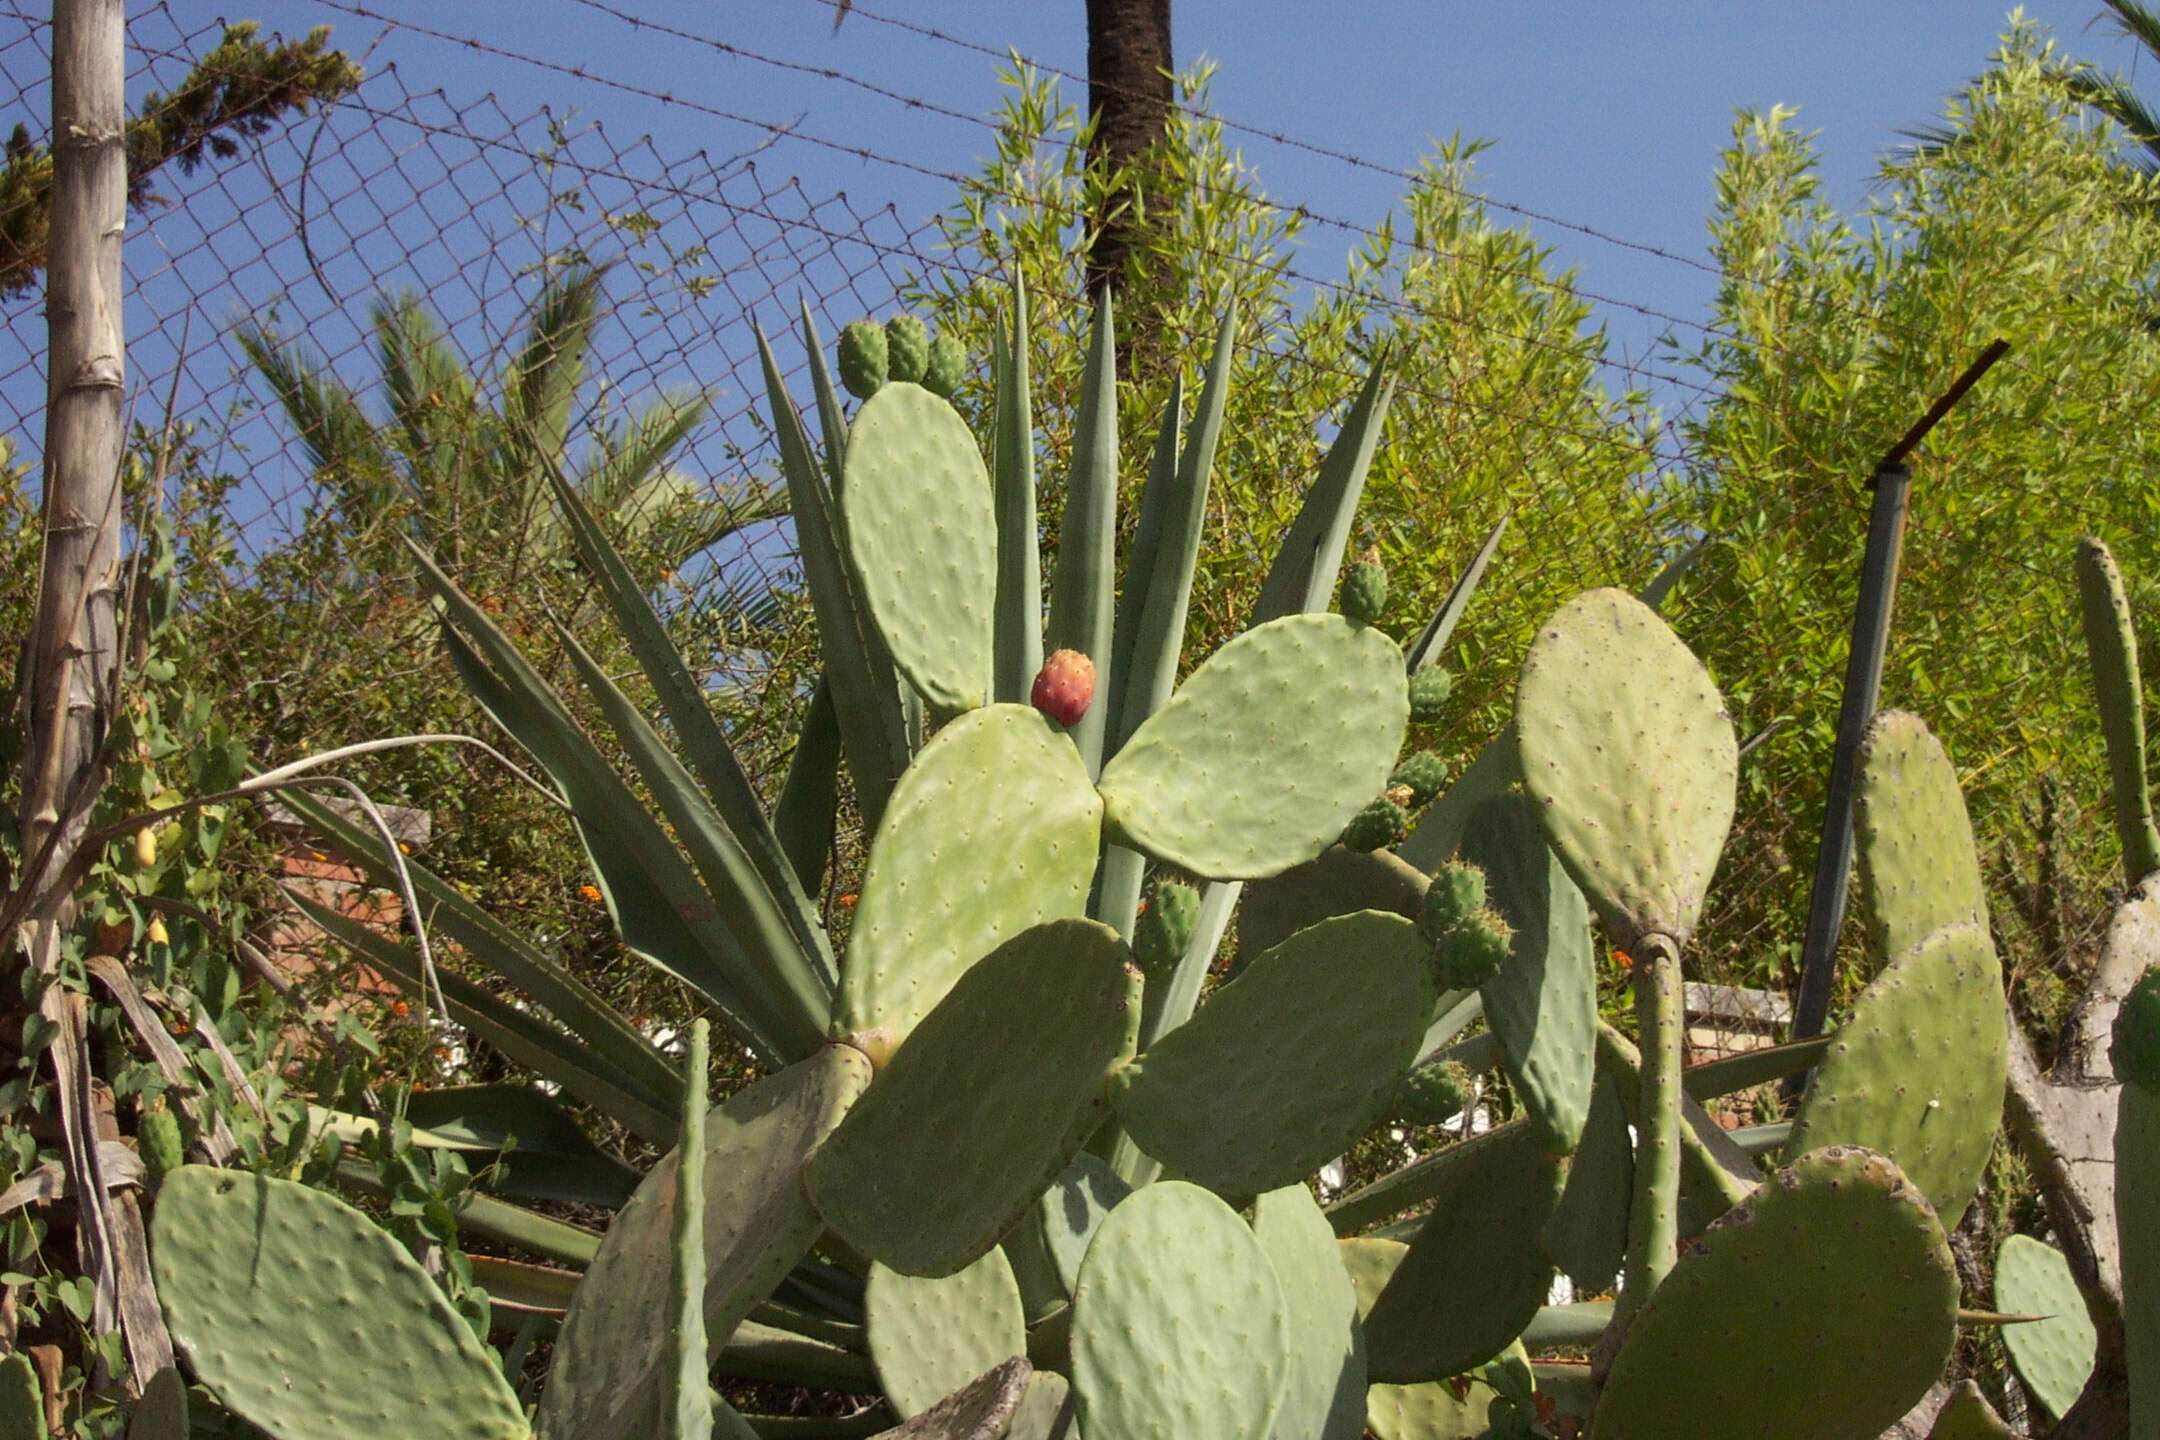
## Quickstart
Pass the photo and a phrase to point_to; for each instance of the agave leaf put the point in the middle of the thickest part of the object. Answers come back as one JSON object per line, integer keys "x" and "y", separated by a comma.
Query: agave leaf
{"x": 1016, "y": 649}
{"x": 805, "y": 814}
{"x": 1310, "y": 556}
{"x": 612, "y": 1039}
{"x": 1442, "y": 629}
{"x": 1083, "y": 589}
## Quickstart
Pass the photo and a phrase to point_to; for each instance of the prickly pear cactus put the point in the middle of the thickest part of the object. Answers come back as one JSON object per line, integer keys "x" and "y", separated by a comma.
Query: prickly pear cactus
{"x": 862, "y": 358}
{"x": 907, "y": 349}
{"x": 945, "y": 367}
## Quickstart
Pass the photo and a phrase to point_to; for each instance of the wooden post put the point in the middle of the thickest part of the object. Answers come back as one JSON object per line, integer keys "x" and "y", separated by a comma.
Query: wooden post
{"x": 69, "y": 665}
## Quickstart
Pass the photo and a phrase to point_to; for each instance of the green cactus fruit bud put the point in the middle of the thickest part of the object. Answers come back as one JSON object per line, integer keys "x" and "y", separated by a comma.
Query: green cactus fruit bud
{"x": 2135, "y": 1049}
{"x": 1165, "y": 928}
{"x": 907, "y": 348}
{"x": 1364, "y": 592}
{"x": 862, "y": 358}
{"x": 157, "y": 1135}
{"x": 946, "y": 366}
{"x": 1425, "y": 773}
{"x": 1434, "y": 1093}
{"x": 1455, "y": 897}
{"x": 1473, "y": 952}
{"x": 1377, "y": 826}
{"x": 1429, "y": 691}
{"x": 1064, "y": 687}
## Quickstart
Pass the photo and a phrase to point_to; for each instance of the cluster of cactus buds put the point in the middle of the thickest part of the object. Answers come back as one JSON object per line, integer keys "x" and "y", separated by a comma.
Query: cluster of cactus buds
{"x": 899, "y": 351}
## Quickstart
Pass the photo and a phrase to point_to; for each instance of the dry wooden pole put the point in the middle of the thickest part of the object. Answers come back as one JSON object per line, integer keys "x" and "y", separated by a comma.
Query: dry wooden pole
{"x": 68, "y": 672}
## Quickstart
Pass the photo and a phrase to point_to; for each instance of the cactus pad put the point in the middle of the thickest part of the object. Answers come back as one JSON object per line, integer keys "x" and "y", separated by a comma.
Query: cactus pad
{"x": 1264, "y": 753}
{"x": 22, "y": 1399}
{"x": 2134, "y": 1042}
{"x": 2137, "y": 1226}
{"x": 1918, "y": 869}
{"x": 758, "y": 1224}
{"x": 1046, "y": 1411}
{"x": 1336, "y": 882}
{"x": 923, "y": 537}
{"x": 1628, "y": 751}
{"x": 1917, "y": 1073}
{"x": 1288, "y": 1063}
{"x": 1071, "y": 1210}
{"x": 2054, "y": 1354}
{"x": 1859, "y": 1325}
{"x": 1543, "y": 1002}
{"x": 1178, "y": 1328}
{"x": 1968, "y": 1416}
{"x": 306, "y": 1319}
{"x": 982, "y": 1409}
{"x": 1428, "y": 1411}
{"x": 1000, "y": 1085}
{"x": 2111, "y": 647}
{"x": 1483, "y": 1237}
{"x": 928, "y": 1338}
{"x": 1324, "y": 1385}
{"x": 1588, "y": 1233}
{"x": 994, "y": 828}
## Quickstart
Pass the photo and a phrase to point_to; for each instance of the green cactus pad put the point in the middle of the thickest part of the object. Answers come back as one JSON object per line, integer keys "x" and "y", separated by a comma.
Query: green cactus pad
{"x": 1042, "y": 1292}
{"x": 1543, "y": 1002}
{"x": 758, "y": 1224}
{"x": 1628, "y": 751}
{"x": 22, "y": 1399}
{"x": 2137, "y": 1225}
{"x": 161, "y": 1413}
{"x": 1860, "y": 1321}
{"x": 1336, "y": 882}
{"x": 982, "y": 1409}
{"x": 947, "y": 366}
{"x": 1376, "y": 827}
{"x": 1364, "y": 593}
{"x": 1918, "y": 1071}
{"x": 1918, "y": 869}
{"x": 985, "y": 1104}
{"x": 1288, "y": 1063}
{"x": 2054, "y": 1355}
{"x": 862, "y": 358}
{"x": 922, "y": 533}
{"x": 1164, "y": 929}
{"x": 1324, "y": 1385}
{"x": 1588, "y": 1233}
{"x": 1265, "y": 752}
{"x": 1968, "y": 1416}
{"x": 2111, "y": 647}
{"x": 1433, "y": 1093}
{"x": 1425, "y": 773}
{"x": 994, "y": 828}
{"x": 1178, "y": 1326}
{"x": 2134, "y": 1042}
{"x": 928, "y": 1338}
{"x": 1483, "y": 1237}
{"x": 1073, "y": 1208}
{"x": 1046, "y": 1411}
{"x": 157, "y": 1136}
{"x": 1428, "y": 1411}
{"x": 1429, "y": 691}
{"x": 307, "y": 1319}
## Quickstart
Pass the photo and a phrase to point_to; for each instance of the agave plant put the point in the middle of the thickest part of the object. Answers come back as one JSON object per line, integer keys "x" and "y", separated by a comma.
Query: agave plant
{"x": 1004, "y": 1168}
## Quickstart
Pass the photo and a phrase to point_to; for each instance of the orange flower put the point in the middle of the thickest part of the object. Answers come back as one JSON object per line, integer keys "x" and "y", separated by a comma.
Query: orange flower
{"x": 590, "y": 892}
{"x": 847, "y": 901}
{"x": 1625, "y": 960}
{"x": 400, "y": 1008}
{"x": 178, "y": 1027}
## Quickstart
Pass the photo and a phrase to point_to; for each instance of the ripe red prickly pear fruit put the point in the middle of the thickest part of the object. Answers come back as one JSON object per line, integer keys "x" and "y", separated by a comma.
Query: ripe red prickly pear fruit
{"x": 1064, "y": 686}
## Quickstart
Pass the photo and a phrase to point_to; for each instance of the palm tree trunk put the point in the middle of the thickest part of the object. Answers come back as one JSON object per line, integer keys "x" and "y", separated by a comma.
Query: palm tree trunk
{"x": 1129, "y": 98}
{"x": 69, "y": 666}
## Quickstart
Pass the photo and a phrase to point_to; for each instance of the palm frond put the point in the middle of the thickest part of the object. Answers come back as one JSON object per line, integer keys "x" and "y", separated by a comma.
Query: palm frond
{"x": 542, "y": 379}
{"x": 340, "y": 442}
{"x": 2113, "y": 97}
{"x": 624, "y": 459}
